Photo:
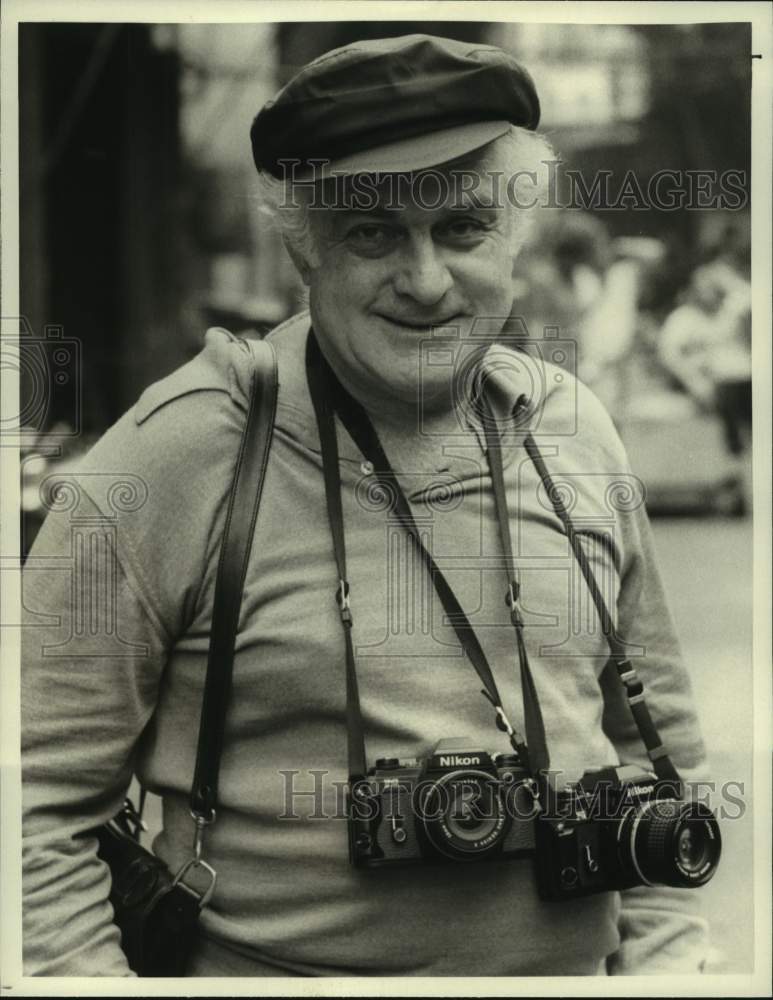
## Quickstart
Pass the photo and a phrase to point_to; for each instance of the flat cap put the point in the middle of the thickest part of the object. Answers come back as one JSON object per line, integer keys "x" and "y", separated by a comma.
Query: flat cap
{"x": 393, "y": 105}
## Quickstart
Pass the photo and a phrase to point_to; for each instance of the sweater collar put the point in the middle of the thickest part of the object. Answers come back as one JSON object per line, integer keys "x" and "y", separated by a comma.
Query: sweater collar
{"x": 506, "y": 376}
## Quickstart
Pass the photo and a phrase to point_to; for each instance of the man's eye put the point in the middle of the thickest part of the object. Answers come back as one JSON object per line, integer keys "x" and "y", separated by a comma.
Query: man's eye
{"x": 371, "y": 236}
{"x": 464, "y": 230}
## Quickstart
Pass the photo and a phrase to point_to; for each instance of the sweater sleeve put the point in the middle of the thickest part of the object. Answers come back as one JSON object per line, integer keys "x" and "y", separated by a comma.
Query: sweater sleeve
{"x": 662, "y": 930}
{"x": 85, "y": 700}
{"x": 113, "y": 578}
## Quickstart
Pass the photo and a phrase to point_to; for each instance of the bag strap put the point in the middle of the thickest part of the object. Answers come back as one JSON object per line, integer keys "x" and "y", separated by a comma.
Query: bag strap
{"x": 242, "y": 511}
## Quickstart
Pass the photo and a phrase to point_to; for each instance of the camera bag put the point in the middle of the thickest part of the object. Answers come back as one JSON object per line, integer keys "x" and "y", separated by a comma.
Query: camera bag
{"x": 157, "y": 911}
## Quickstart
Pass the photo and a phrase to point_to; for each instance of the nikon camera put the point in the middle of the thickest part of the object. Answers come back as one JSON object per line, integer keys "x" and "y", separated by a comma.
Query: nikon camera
{"x": 620, "y": 827}
{"x": 458, "y": 804}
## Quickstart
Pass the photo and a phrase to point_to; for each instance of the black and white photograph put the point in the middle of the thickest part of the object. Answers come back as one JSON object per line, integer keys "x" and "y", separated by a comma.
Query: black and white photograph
{"x": 386, "y": 526}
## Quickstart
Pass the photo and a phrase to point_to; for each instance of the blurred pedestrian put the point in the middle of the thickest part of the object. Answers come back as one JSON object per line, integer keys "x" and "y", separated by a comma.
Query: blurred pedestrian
{"x": 705, "y": 345}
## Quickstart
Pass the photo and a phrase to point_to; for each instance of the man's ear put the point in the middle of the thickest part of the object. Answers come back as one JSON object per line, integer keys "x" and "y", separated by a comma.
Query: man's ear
{"x": 301, "y": 264}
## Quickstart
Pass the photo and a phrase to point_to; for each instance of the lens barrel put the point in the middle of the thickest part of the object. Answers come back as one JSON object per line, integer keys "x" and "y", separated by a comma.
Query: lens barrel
{"x": 464, "y": 815}
{"x": 668, "y": 842}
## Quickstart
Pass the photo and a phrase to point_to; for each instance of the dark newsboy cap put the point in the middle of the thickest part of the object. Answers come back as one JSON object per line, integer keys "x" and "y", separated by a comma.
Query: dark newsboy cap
{"x": 393, "y": 105}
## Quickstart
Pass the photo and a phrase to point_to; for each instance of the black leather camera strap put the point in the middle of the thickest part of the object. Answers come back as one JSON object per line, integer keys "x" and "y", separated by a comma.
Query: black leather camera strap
{"x": 533, "y": 721}
{"x": 320, "y": 397}
{"x": 241, "y": 514}
{"x": 330, "y": 397}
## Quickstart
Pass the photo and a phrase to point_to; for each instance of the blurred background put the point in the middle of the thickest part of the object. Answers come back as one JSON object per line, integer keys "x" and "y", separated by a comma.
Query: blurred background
{"x": 139, "y": 230}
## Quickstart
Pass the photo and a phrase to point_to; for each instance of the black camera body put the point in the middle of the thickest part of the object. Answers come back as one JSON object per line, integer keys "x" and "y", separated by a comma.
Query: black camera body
{"x": 620, "y": 827}
{"x": 458, "y": 804}
{"x": 616, "y": 828}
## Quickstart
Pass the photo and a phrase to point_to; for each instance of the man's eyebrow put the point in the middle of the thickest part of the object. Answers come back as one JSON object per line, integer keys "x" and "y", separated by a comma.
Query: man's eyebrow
{"x": 376, "y": 210}
{"x": 471, "y": 201}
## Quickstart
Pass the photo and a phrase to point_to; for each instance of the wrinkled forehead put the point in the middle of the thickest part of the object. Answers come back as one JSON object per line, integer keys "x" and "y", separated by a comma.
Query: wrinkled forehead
{"x": 456, "y": 186}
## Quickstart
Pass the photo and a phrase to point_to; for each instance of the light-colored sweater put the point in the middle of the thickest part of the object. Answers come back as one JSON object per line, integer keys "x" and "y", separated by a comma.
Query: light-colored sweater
{"x": 118, "y": 595}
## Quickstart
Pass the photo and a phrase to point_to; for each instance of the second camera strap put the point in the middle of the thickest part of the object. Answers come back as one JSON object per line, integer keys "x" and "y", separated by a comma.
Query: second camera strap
{"x": 662, "y": 764}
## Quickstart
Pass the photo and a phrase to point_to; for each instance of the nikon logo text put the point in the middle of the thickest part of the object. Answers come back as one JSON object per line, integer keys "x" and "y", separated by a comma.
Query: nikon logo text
{"x": 458, "y": 761}
{"x": 639, "y": 789}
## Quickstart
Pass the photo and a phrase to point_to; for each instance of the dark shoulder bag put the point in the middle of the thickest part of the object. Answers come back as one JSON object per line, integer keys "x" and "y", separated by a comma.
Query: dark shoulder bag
{"x": 157, "y": 911}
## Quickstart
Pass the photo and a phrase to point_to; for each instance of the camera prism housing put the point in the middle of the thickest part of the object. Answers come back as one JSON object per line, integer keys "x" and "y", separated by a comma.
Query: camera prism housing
{"x": 621, "y": 827}
{"x": 459, "y": 804}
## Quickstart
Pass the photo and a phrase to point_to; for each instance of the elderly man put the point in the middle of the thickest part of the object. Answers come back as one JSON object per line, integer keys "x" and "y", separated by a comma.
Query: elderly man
{"x": 407, "y": 491}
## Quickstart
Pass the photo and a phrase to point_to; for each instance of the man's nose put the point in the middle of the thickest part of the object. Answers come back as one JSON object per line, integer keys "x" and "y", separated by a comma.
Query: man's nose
{"x": 422, "y": 272}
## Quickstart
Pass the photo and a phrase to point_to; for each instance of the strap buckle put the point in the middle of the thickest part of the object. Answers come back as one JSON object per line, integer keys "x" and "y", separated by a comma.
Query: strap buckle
{"x": 634, "y": 689}
{"x": 201, "y": 821}
{"x": 512, "y": 595}
{"x": 343, "y": 602}
{"x": 205, "y": 896}
{"x": 503, "y": 722}
{"x": 511, "y": 601}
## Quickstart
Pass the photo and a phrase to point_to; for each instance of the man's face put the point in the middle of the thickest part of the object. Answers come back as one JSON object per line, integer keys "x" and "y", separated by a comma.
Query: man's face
{"x": 386, "y": 275}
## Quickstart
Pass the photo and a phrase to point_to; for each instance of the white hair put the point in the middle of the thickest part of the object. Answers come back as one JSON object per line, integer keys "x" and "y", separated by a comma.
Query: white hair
{"x": 520, "y": 157}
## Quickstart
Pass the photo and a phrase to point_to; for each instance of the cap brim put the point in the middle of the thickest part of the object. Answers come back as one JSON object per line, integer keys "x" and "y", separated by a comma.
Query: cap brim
{"x": 419, "y": 152}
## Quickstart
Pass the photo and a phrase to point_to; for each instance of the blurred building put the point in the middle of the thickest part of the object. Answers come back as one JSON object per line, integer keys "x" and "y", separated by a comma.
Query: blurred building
{"x": 102, "y": 246}
{"x": 227, "y": 73}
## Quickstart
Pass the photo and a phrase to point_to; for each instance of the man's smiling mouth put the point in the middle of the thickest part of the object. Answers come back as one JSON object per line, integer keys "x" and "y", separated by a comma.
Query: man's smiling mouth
{"x": 421, "y": 324}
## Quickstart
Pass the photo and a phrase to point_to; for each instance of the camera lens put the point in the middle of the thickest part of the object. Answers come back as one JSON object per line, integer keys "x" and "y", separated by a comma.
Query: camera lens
{"x": 672, "y": 843}
{"x": 690, "y": 849}
{"x": 464, "y": 815}
{"x": 467, "y": 818}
